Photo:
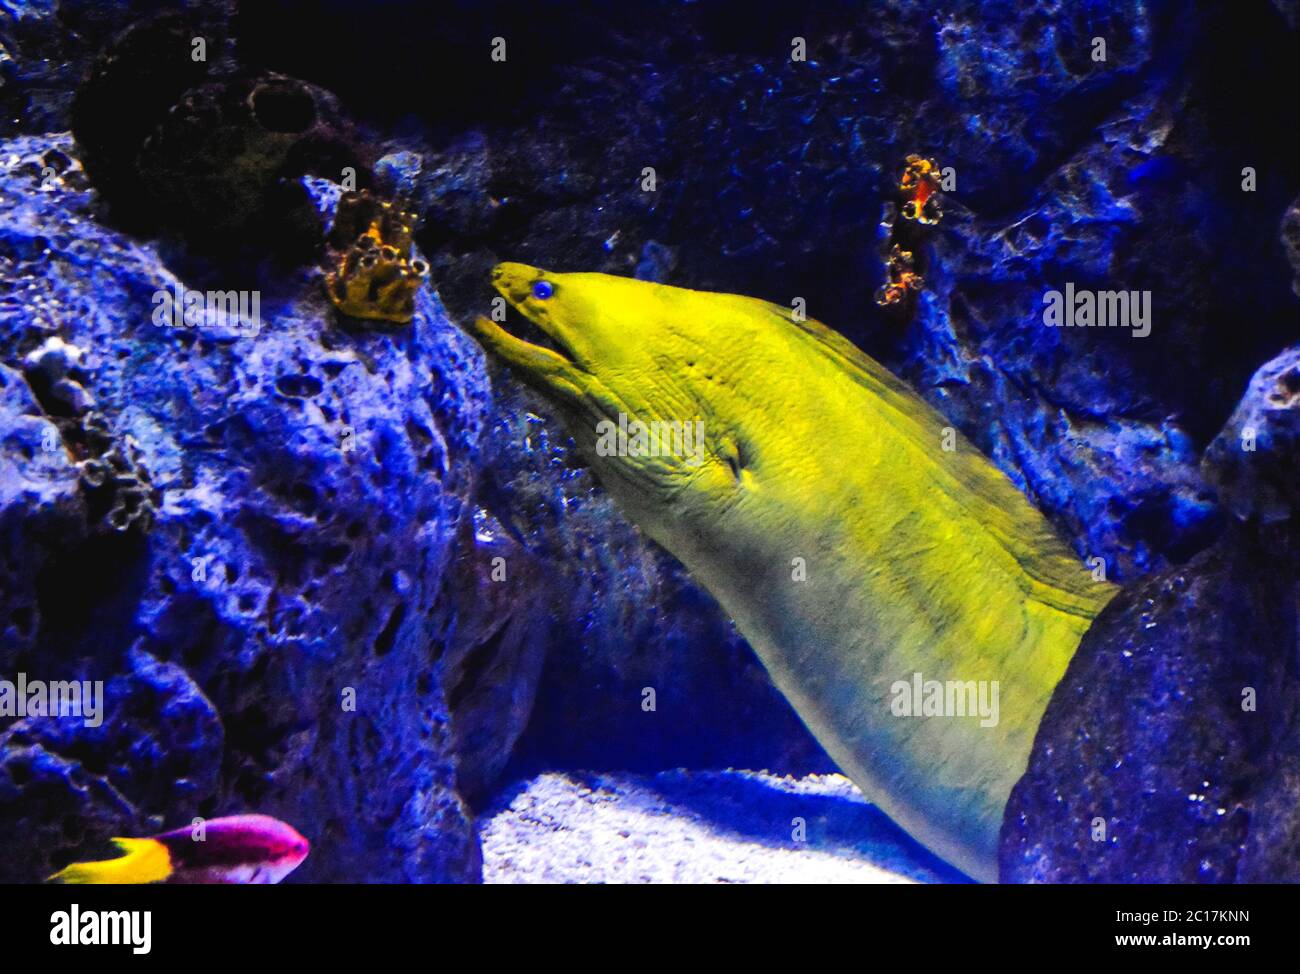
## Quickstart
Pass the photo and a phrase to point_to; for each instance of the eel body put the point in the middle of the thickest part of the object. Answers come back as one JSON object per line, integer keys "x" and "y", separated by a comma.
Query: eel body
{"x": 863, "y": 547}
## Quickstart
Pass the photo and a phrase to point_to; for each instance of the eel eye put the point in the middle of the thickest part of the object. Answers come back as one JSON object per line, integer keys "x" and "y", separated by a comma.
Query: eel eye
{"x": 542, "y": 290}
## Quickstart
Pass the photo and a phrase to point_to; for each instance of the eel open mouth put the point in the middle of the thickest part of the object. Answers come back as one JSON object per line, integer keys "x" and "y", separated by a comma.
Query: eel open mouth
{"x": 523, "y": 344}
{"x": 524, "y": 329}
{"x": 527, "y": 343}
{"x": 534, "y": 360}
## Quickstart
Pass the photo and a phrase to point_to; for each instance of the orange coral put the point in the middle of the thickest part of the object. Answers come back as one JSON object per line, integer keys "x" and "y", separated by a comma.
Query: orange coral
{"x": 901, "y": 278}
{"x": 375, "y": 276}
{"x": 920, "y": 181}
{"x": 905, "y": 243}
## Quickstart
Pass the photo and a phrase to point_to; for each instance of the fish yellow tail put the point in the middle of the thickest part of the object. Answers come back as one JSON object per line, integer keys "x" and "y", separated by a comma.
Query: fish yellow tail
{"x": 143, "y": 861}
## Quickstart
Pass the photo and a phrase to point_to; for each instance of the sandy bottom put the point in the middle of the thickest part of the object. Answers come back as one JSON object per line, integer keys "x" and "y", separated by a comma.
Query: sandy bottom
{"x": 697, "y": 827}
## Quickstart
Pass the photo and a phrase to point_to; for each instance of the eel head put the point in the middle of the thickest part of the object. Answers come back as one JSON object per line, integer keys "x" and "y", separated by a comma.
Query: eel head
{"x": 638, "y": 373}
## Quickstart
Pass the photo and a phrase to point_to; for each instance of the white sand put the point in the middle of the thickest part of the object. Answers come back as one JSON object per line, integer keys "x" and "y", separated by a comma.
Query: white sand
{"x": 696, "y": 827}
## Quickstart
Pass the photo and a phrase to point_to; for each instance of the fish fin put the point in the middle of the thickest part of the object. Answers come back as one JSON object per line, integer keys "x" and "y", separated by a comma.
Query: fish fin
{"x": 142, "y": 861}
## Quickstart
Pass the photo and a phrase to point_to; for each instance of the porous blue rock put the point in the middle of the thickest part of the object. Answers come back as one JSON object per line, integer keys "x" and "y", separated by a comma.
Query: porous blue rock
{"x": 284, "y": 634}
{"x": 66, "y": 783}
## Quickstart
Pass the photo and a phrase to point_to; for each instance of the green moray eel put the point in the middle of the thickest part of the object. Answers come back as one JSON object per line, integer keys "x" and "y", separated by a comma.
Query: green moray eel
{"x": 852, "y": 535}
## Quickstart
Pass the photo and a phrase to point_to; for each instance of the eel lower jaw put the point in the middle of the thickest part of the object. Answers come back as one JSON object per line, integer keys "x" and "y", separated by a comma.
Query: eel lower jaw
{"x": 542, "y": 366}
{"x": 520, "y": 326}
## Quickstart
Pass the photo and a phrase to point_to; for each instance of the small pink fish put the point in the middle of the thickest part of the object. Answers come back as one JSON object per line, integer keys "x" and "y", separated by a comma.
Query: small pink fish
{"x": 241, "y": 849}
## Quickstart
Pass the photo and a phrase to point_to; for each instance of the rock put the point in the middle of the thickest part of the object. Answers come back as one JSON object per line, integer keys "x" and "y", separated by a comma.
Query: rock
{"x": 48, "y": 47}
{"x": 1253, "y": 461}
{"x": 207, "y": 151}
{"x": 1168, "y": 752}
{"x": 39, "y": 500}
{"x": 291, "y": 632}
{"x": 1147, "y": 766}
{"x": 495, "y": 643}
{"x": 147, "y": 66}
{"x": 1069, "y": 415}
{"x": 223, "y": 167}
{"x": 65, "y": 784}
{"x": 1289, "y": 232}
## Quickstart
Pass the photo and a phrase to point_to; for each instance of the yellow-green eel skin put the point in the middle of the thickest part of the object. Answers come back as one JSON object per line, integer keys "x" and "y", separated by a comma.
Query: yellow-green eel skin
{"x": 915, "y": 558}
